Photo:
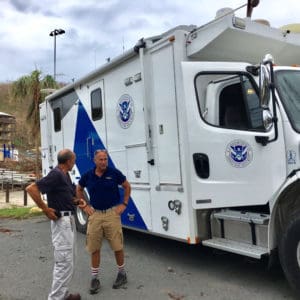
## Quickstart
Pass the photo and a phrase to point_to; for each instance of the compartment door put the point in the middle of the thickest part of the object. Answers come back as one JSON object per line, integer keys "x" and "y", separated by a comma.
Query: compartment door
{"x": 165, "y": 115}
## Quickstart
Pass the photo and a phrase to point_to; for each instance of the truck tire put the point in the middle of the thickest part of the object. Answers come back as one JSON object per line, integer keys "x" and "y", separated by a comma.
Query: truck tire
{"x": 81, "y": 219}
{"x": 289, "y": 251}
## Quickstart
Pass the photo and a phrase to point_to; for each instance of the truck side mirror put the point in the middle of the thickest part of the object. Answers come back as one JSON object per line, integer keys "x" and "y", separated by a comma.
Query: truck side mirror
{"x": 264, "y": 87}
{"x": 267, "y": 119}
{"x": 264, "y": 95}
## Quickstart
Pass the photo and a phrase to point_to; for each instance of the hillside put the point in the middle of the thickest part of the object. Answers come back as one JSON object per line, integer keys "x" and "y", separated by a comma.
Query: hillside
{"x": 22, "y": 139}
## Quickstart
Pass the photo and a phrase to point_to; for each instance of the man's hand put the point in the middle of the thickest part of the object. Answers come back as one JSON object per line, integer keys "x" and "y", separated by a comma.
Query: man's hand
{"x": 85, "y": 207}
{"x": 81, "y": 203}
{"x": 119, "y": 209}
{"x": 50, "y": 213}
{"x": 88, "y": 210}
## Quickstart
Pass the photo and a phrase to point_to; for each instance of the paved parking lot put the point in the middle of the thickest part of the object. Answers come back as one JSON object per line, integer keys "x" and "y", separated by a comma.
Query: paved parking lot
{"x": 157, "y": 269}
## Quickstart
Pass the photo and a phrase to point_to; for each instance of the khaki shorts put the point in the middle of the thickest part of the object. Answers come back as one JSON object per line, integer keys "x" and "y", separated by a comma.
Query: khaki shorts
{"x": 104, "y": 225}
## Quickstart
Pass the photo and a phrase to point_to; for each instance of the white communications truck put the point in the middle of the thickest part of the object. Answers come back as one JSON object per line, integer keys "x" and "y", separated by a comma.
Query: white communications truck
{"x": 208, "y": 136}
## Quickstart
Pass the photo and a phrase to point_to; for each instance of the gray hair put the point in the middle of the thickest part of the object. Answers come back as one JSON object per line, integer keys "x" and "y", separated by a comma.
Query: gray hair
{"x": 100, "y": 151}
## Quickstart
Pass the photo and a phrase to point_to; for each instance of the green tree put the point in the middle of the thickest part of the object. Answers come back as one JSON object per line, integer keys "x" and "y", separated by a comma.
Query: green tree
{"x": 29, "y": 89}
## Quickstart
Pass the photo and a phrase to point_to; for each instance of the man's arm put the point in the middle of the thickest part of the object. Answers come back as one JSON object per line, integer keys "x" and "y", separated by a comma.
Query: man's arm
{"x": 127, "y": 190}
{"x": 80, "y": 195}
{"x": 79, "y": 191}
{"x": 35, "y": 194}
{"x": 122, "y": 206}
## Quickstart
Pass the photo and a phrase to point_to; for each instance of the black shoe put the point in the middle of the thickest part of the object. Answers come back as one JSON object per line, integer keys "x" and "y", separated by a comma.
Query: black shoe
{"x": 95, "y": 286}
{"x": 121, "y": 280}
{"x": 73, "y": 297}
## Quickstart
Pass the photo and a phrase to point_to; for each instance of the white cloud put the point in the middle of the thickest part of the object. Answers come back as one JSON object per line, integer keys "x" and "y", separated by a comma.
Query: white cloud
{"x": 97, "y": 29}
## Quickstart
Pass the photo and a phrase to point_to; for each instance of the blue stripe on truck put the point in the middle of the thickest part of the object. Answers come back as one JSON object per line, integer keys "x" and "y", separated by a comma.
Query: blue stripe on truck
{"x": 87, "y": 141}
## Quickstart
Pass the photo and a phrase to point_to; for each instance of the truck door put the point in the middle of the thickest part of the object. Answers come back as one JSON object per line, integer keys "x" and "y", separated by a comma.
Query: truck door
{"x": 57, "y": 130}
{"x": 90, "y": 132}
{"x": 229, "y": 167}
{"x": 46, "y": 141}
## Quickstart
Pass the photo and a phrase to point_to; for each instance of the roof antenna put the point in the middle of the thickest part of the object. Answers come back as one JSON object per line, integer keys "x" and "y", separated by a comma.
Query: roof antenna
{"x": 251, "y": 4}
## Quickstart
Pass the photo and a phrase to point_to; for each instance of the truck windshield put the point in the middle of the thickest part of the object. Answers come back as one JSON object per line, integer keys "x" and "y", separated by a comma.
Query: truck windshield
{"x": 288, "y": 85}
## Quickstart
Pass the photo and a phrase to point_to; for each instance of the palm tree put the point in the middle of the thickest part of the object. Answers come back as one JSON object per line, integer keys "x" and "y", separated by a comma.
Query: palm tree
{"x": 28, "y": 88}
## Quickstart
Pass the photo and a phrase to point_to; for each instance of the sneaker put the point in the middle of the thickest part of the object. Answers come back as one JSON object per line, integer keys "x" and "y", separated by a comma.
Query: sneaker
{"x": 121, "y": 280}
{"x": 95, "y": 286}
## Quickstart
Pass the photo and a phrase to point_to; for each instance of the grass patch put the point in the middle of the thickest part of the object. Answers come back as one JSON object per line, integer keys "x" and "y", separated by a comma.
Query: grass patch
{"x": 18, "y": 212}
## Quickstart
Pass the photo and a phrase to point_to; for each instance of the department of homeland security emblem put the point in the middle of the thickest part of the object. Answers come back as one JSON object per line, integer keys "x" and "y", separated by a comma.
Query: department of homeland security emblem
{"x": 125, "y": 111}
{"x": 239, "y": 153}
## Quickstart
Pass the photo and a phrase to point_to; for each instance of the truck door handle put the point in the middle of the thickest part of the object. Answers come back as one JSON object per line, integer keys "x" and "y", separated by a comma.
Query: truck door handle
{"x": 88, "y": 147}
{"x": 201, "y": 164}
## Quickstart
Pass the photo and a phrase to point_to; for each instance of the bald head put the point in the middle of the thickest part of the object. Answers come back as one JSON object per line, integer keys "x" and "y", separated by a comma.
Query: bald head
{"x": 64, "y": 155}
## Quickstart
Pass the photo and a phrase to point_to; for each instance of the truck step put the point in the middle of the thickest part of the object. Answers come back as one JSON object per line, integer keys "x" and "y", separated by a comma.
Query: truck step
{"x": 241, "y": 216}
{"x": 236, "y": 247}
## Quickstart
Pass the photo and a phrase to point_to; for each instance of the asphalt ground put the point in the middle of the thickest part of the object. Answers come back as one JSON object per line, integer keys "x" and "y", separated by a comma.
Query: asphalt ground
{"x": 157, "y": 268}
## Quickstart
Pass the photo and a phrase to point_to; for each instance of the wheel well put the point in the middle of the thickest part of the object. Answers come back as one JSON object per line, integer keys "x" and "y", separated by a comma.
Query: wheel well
{"x": 287, "y": 205}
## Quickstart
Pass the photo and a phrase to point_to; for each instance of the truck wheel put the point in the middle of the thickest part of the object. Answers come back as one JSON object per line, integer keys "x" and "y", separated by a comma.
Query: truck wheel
{"x": 81, "y": 219}
{"x": 289, "y": 251}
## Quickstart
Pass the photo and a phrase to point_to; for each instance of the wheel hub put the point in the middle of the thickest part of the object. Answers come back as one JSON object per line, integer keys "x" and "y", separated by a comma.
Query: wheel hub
{"x": 298, "y": 254}
{"x": 81, "y": 217}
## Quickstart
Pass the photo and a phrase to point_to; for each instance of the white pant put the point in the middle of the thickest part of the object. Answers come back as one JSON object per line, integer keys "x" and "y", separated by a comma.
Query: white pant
{"x": 64, "y": 243}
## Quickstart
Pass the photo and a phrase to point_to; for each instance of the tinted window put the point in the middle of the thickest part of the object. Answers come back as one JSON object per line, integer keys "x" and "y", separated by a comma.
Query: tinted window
{"x": 96, "y": 104}
{"x": 287, "y": 83}
{"x": 228, "y": 101}
{"x": 57, "y": 119}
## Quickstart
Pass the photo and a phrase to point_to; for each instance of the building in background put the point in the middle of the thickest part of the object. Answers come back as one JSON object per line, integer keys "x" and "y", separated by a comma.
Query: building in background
{"x": 7, "y": 131}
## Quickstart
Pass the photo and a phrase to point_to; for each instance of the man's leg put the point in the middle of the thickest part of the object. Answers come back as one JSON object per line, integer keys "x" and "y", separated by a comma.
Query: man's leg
{"x": 62, "y": 239}
{"x": 95, "y": 259}
{"x": 119, "y": 255}
{"x": 121, "y": 277}
{"x": 113, "y": 233}
{"x": 93, "y": 246}
{"x": 62, "y": 274}
{"x": 117, "y": 245}
{"x": 95, "y": 264}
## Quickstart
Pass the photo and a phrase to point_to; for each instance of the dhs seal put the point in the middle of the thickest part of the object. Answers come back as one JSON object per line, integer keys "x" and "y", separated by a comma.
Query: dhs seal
{"x": 291, "y": 157}
{"x": 125, "y": 111}
{"x": 239, "y": 153}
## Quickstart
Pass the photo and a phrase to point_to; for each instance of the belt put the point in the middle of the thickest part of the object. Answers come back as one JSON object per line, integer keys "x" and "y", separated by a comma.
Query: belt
{"x": 66, "y": 213}
{"x": 105, "y": 210}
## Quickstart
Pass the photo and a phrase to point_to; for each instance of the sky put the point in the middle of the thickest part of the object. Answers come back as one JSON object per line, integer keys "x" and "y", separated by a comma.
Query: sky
{"x": 99, "y": 29}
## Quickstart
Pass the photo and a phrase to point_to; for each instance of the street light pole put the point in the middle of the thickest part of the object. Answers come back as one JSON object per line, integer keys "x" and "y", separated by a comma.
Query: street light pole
{"x": 54, "y": 33}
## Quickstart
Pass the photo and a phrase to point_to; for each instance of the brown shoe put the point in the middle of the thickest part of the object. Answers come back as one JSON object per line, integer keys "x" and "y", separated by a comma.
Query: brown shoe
{"x": 73, "y": 297}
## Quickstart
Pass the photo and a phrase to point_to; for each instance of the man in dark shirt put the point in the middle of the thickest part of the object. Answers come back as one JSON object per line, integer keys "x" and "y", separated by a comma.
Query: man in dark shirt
{"x": 61, "y": 200}
{"x": 104, "y": 212}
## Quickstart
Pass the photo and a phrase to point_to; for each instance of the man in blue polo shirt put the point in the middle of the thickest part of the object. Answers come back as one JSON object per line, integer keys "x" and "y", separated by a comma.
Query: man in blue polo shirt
{"x": 105, "y": 209}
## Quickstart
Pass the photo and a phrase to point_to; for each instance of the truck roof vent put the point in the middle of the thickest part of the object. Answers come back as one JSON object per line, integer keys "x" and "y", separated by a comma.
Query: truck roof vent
{"x": 262, "y": 21}
{"x": 223, "y": 12}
